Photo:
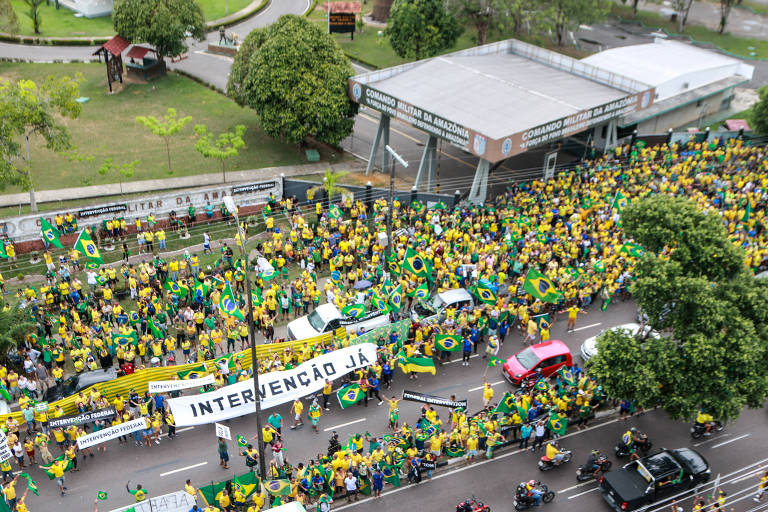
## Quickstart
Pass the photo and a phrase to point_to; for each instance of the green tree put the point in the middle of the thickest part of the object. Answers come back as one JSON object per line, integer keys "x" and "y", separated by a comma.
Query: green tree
{"x": 14, "y": 327}
{"x": 34, "y": 14}
{"x": 165, "y": 24}
{"x": 418, "y": 29}
{"x": 567, "y": 15}
{"x": 29, "y": 110}
{"x": 330, "y": 185}
{"x": 692, "y": 283}
{"x": 294, "y": 75}
{"x": 485, "y": 15}
{"x": 758, "y": 114}
{"x": 223, "y": 147}
{"x": 170, "y": 125}
{"x": 9, "y": 22}
{"x": 124, "y": 170}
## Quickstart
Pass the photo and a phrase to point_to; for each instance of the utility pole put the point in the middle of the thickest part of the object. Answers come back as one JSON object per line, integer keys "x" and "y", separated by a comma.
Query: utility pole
{"x": 390, "y": 208}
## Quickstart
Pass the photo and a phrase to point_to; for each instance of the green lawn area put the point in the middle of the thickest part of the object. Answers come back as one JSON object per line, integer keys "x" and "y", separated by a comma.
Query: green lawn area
{"x": 738, "y": 46}
{"x": 63, "y": 23}
{"x": 107, "y": 129}
{"x": 758, "y": 7}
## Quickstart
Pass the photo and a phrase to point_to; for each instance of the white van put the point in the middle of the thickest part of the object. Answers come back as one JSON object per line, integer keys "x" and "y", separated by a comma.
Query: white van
{"x": 434, "y": 309}
{"x": 328, "y": 318}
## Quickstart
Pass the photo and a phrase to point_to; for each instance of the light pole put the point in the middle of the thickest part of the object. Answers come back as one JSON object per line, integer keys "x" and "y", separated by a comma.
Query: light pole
{"x": 230, "y": 204}
{"x": 390, "y": 208}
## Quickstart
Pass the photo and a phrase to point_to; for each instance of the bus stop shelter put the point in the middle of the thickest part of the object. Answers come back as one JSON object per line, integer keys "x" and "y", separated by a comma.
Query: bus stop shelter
{"x": 496, "y": 101}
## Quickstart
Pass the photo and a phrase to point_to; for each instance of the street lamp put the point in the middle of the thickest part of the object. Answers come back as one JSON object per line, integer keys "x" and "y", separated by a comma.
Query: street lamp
{"x": 390, "y": 211}
{"x": 229, "y": 203}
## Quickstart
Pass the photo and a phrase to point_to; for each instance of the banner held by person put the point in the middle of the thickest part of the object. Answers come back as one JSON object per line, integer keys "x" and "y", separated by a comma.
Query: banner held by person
{"x": 82, "y": 419}
{"x": 110, "y": 433}
{"x": 414, "y": 396}
{"x": 275, "y": 388}
{"x": 223, "y": 431}
{"x": 164, "y": 386}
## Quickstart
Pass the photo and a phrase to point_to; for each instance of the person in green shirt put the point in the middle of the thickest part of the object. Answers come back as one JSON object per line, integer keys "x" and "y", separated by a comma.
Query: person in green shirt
{"x": 139, "y": 493}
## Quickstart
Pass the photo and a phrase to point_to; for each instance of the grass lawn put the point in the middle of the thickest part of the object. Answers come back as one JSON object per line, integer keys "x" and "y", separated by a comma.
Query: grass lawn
{"x": 63, "y": 23}
{"x": 107, "y": 128}
{"x": 738, "y": 46}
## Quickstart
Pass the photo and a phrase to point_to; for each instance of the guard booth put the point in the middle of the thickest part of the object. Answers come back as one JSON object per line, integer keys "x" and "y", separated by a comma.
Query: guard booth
{"x": 143, "y": 64}
{"x": 112, "y": 52}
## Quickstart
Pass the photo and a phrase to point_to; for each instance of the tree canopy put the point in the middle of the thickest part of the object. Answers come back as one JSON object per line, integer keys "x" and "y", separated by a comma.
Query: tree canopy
{"x": 694, "y": 287}
{"x": 758, "y": 116}
{"x": 165, "y": 24}
{"x": 418, "y": 29}
{"x": 294, "y": 75}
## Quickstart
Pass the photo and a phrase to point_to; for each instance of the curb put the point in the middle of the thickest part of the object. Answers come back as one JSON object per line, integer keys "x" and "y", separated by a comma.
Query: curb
{"x": 247, "y": 12}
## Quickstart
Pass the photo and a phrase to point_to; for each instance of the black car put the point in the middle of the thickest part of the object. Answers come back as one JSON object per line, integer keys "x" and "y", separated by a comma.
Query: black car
{"x": 79, "y": 382}
{"x": 653, "y": 478}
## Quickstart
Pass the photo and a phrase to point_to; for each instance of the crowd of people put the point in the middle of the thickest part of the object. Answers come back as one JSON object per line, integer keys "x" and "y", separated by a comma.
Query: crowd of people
{"x": 568, "y": 228}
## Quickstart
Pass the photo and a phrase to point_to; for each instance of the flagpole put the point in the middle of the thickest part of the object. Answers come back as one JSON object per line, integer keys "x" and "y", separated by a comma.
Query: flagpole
{"x": 230, "y": 204}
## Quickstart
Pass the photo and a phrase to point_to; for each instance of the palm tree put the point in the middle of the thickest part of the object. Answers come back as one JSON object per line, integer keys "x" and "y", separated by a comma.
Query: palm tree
{"x": 330, "y": 186}
{"x": 14, "y": 327}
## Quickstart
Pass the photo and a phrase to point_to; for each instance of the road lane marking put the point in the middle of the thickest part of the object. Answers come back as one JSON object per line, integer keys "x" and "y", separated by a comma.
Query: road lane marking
{"x": 343, "y": 425}
{"x": 587, "y": 326}
{"x": 458, "y": 360}
{"x": 730, "y": 441}
{"x": 748, "y": 476}
{"x": 178, "y": 430}
{"x": 492, "y": 384}
{"x": 582, "y": 493}
{"x": 712, "y": 439}
{"x": 184, "y": 469}
{"x": 576, "y": 486}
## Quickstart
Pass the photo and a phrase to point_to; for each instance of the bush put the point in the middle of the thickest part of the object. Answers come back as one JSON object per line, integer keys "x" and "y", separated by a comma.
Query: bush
{"x": 20, "y": 276}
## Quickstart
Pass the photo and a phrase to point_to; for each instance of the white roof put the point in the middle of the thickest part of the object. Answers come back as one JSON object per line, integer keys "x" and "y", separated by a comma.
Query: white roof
{"x": 671, "y": 66}
{"x": 454, "y": 295}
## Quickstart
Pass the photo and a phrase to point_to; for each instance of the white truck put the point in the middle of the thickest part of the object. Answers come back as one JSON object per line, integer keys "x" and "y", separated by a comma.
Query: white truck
{"x": 434, "y": 309}
{"x": 328, "y": 318}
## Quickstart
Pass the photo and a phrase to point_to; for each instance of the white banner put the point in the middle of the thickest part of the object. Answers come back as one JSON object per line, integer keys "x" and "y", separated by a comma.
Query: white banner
{"x": 223, "y": 431}
{"x": 110, "y": 433}
{"x": 162, "y": 386}
{"x": 5, "y": 450}
{"x": 275, "y": 388}
{"x": 179, "y": 501}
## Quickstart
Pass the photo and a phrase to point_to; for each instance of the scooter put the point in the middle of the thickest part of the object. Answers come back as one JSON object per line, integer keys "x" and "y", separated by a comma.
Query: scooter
{"x": 523, "y": 501}
{"x": 545, "y": 463}
{"x": 472, "y": 505}
{"x": 644, "y": 445}
{"x": 699, "y": 429}
{"x": 584, "y": 473}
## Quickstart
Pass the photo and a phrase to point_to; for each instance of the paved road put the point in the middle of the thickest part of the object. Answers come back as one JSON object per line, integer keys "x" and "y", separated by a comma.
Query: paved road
{"x": 164, "y": 468}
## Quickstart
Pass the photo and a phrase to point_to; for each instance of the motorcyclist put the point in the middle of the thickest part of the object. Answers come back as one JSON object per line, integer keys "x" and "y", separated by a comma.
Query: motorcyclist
{"x": 591, "y": 464}
{"x": 554, "y": 453}
{"x": 705, "y": 421}
{"x": 534, "y": 492}
{"x": 333, "y": 444}
{"x": 628, "y": 438}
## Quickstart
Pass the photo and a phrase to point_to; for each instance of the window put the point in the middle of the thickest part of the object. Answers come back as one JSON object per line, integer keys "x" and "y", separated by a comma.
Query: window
{"x": 332, "y": 325}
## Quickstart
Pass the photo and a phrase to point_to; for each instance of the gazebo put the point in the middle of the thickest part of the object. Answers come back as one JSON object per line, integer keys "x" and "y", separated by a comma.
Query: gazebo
{"x": 141, "y": 67}
{"x": 112, "y": 51}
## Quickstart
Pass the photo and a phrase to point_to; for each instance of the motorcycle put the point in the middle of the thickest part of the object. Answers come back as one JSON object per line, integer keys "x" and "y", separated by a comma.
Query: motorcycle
{"x": 644, "y": 445}
{"x": 523, "y": 501}
{"x": 584, "y": 473}
{"x": 472, "y": 505}
{"x": 545, "y": 463}
{"x": 699, "y": 429}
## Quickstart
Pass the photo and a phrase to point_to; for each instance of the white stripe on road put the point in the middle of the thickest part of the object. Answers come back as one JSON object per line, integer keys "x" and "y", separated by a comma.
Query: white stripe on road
{"x": 730, "y": 441}
{"x": 459, "y": 360}
{"x": 473, "y": 466}
{"x": 587, "y": 326}
{"x": 343, "y": 425}
{"x": 492, "y": 384}
{"x": 712, "y": 439}
{"x": 184, "y": 469}
{"x": 179, "y": 430}
{"x": 748, "y": 476}
{"x": 582, "y": 493}
{"x": 576, "y": 486}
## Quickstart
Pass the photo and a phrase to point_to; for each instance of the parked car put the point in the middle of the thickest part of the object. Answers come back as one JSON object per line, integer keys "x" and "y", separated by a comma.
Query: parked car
{"x": 653, "y": 478}
{"x": 79, "y": 382}
{"x": 433, "y": 310}
{"x": 589, "y": 347}
{"x": 549, "y": 356}
{"x": 328, "y": 318}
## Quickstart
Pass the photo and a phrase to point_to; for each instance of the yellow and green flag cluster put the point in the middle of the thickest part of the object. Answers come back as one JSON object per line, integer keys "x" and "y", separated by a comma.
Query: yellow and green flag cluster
{"x": 353, "y": 310}
{"x": 415, "y": 264}
{"x": 540, "y": 287}
{"x": 87, "y": 248}
{"x": 349, "y": 395}
{"x": 278, "y": 487}
{"x": 248, "y": 483}
{"x": 632, "y": 250}
{"x": 50, "y": 233}
{"x": 228, "y": 304}
{"x": 448, "y": 342}
{"x": 416, "y": 364}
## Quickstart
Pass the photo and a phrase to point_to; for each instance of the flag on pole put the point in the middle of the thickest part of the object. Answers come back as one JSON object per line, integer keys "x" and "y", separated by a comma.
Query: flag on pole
{"x": 157, "y": 332}
{"x": 448, "y": 342}
{"x": 421, "y": 292}
{"x": 415, "y": 264}
{"x": 228, "y": 305}
{"x": 349, "y": 395}
{"x": 485, "y": 293}
{"x": 396, "y": 298}
{"x": 102, "y": 495}
{"x": 353, "y": 310}
{"x": 50, "y": 233}
{"x": 85, "y": 245}
{"x": 557, "y": 424}
{"x": 506, "y": 404}
{"x": 540, "y": 287}
{"x": 620, "y": 202}
{"x": 278, "y": 487}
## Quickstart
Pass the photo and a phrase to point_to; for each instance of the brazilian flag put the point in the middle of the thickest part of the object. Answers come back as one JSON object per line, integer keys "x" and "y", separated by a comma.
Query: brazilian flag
{"x": 336, "y": 276}
{"x": 92, "y": 266}
{"x": 353, "y": 310}
{"x": 365, "y": 486}
{"x": 157, "y": 333}
{"x": 485, "y": 293}
{"x": 557, "y": 424}
{"x": 268, "y": 275}
{"x": 193, "y": 373}
{"x": 586, "y": 203}
{"x": 396, "y": 298}
{"x": 242, "y": 441}
{"x": 542, "y": 238}
{"x": 102, "y": 495}
{"x": 201, "y": 290}
{"x": 542, "y": 321}
{"x": 506, "y": 403}
{"x": 394, "y": 267}
{"x": 278, "y": 487}
{"x": 256, "y": 297}
{"x": 448, "y": 342}
{"x": 87, "y": 247}
{"x": 454, "y": 452}
{"x": 633, "y": 250}
{"x": 417, "y": 364}
{"x": 418, "y": 207}
{"x": 525, "y": 220}
{"x": 620, "y": 202}
{"x": 421, "y": 292}
{"x": 349, "y": 395}
{"x": 379, "y": 303}
{"x": 173, "y": 287}
{"x": 387, "y": 287}
{"x": 495, "y": 361}
{"x": 391, "y": 474}
{"x": 125, "y": 339}
{"x": 228, "y": 305}
{"x": 415, "y": 264}
{"x": 599, "y": 266}
{"x": 574, "y": 272}
{"x": 541, "y": 385}
{"x": 50, "y": 233}
{"x": 568, "y": 377}
{"x": 133, "y": 318}
{"x": 335, "y": 212}
{"x": 540, "y": 287}
{"x": 522, "y": 410}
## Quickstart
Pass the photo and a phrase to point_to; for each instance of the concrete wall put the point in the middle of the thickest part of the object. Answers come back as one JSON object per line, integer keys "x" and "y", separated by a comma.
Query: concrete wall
{"x": 686, "y": 116}
{"x": 298, "y": 188}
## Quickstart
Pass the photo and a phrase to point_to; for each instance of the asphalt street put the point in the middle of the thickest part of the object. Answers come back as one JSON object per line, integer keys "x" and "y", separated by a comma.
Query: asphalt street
{"x": 164, "y": 468}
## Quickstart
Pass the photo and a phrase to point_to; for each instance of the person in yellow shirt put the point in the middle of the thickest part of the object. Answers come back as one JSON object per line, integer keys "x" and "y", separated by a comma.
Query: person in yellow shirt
{"x": 297, "y": 409}
{"x": 487, "y": 394}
